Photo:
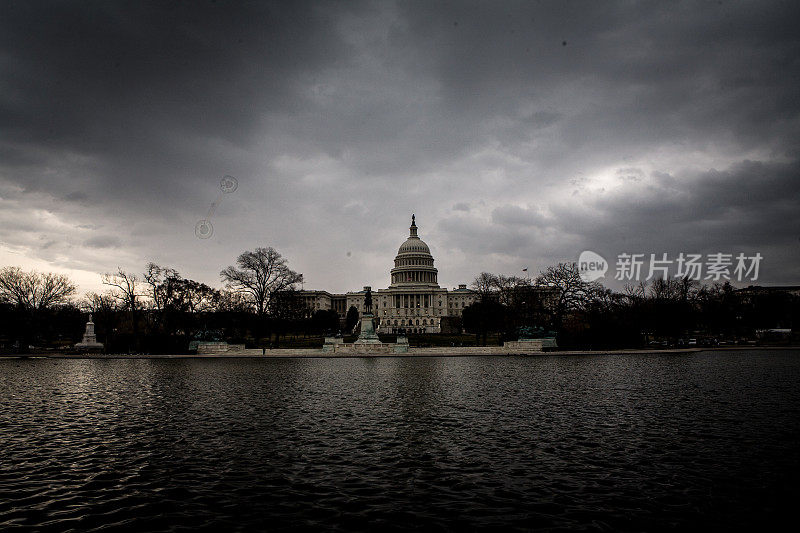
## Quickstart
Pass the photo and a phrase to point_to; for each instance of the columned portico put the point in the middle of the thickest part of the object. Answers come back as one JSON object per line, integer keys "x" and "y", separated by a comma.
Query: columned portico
{"x": 413, "y": 302}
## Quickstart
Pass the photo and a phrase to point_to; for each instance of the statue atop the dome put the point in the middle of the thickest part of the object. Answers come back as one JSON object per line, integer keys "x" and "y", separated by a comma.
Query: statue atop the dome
{"x": 412, "y": 219}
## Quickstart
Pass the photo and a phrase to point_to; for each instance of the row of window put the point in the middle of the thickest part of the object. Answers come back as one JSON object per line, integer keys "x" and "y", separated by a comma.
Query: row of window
{"x": 413, "y": 262}
{"x": 409, "y": 330}
{"x": 410, "y": 322}
{"x": 414, "y": 301}
{"x": 425, "y": 277}
{"x": 406, "y": 312}
{"x": 399, "y": 301}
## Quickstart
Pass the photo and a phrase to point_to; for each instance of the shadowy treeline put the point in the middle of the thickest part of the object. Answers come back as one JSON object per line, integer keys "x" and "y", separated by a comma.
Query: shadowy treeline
{"x": 663, "y": 312}
{"x": 170, "y": 328}
{"x": 160, "y": 311}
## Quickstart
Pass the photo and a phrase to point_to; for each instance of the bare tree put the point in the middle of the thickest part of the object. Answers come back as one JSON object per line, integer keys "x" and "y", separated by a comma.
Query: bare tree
{"x": 193, "y": 297}
{"x": 635, "y": 293}
{"x": 484, "y": 285}
{"x": 126, "y": 289}
{"x": 510, "y": 288}
{"x": 260, "y": 274}
{"x": 573, "y": 293}
{"x": 162, "y": 282}
{"x": 662, "y": 289}
{"x": 232, "y": 301}
{"x": 97, "y": 303}
{"x": 688, "y": 288}
{"x": 34, "y": 290}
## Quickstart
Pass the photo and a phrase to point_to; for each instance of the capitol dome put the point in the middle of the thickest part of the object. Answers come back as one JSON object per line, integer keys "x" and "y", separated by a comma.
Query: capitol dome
{"x": 413, "y": 265}
{"x": 414, "y": 244}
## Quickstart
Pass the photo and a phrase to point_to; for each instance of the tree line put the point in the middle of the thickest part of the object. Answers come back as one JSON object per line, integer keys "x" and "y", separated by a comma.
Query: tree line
{"x": 588, "y": 315}
{"x": 160, "y": 311}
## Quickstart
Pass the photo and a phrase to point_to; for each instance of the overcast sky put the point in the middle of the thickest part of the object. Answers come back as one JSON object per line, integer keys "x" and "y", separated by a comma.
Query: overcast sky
{"x": 520, "y": 133}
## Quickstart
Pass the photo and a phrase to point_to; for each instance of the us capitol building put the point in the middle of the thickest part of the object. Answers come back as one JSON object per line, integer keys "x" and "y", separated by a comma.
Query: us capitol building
{"x": 413, "y": 302}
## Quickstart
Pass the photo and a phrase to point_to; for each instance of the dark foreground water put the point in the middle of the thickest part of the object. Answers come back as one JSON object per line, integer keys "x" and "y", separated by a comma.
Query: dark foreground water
{"x": 640, "y": 442}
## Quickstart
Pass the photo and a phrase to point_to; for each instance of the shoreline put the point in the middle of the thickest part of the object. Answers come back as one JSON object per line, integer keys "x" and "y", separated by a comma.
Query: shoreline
{"x": 289, "y": 353}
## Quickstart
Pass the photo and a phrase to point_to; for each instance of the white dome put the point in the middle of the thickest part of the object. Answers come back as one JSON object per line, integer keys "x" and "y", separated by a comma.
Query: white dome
{"x": 413, "y": 265}
{"x": 414, "y": 245}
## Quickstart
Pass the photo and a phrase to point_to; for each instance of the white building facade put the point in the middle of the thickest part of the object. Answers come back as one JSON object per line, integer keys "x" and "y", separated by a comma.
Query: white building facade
{"x": 412, "y": 303}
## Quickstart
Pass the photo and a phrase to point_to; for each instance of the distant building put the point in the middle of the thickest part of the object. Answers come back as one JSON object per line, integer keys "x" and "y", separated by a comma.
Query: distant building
{"x": 774, "y": 309}
{"x": 413, "y": 302}
{"x": 751, "y": 291}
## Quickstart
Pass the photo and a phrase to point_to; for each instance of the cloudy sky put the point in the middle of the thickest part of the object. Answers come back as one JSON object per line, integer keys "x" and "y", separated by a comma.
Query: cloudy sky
{"x": 520, "y": 133}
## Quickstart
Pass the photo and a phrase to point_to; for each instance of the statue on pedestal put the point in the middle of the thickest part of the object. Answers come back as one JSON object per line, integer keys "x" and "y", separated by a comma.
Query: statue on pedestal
{"x": 89, "y": 341}
{"x": 530, "y": 333}
{"x": 367, "y": 335}
{"x": 368, "y": 301}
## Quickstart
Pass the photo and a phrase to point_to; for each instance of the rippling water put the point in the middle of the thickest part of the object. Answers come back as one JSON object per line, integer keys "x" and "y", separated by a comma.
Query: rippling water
{"x": 635, "y": 442}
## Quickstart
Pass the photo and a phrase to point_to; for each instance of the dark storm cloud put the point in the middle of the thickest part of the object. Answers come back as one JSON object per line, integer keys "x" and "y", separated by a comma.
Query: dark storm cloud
{"x": 129, "y": 83}
{"x": 748, "y": 208}
{"x": 648, "y": 63}
{"x": 749, "y": 204}
{"x": 496, "y": 122}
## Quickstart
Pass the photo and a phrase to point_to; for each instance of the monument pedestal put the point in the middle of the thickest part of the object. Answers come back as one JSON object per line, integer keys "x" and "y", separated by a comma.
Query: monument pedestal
{"x": 367, "y": 335}
{"x": 368, "y": 342}
{"x": 89, "y": 342}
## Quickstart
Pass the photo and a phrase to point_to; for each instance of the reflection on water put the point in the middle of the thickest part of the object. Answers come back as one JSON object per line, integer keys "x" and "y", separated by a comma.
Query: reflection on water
{"x": 597, "y": 442}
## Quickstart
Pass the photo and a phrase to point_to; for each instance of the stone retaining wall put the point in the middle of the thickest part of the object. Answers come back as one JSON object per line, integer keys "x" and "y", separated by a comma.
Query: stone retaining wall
{"x": 284, "y": 352}
{"x": 526, "y": 346}
{"x": 357, "y": 350}
{"x": 208, "y": 348}
{"x": 383, "y": 349}
{"x": 508, "y": 348}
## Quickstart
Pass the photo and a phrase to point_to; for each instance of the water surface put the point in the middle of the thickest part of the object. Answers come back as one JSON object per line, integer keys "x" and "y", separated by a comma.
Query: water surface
{"x": 633, "y": 442}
